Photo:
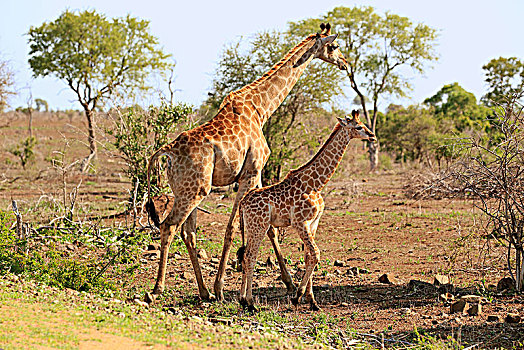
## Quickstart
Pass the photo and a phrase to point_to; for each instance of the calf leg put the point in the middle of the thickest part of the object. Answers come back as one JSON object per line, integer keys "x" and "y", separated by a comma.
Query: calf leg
{"x": 286, "y": 277}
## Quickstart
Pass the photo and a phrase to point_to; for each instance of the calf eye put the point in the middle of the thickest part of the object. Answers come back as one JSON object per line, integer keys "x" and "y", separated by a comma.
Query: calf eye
{"x": 358, "y": 127}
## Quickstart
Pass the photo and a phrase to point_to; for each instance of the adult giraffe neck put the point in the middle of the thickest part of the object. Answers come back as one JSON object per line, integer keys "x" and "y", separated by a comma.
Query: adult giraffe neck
{"x": 269, "y": 91}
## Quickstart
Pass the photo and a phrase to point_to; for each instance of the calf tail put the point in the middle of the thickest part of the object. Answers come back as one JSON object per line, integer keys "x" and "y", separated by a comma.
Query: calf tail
{"x": 242, "y": 250}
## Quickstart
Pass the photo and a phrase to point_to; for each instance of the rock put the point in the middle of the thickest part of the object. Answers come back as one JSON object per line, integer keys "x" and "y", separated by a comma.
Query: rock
{"x": 149, "y": 298}
{"x": 440, "y": 280}
{"x": 226, "y": 321}
{"x": 271, "y": 263}
{"x": 384, "y": 279}
{"x": 359, "y": 270}
{"x": 70, "y": 247}
{"x": 153, "y": 246}
{"x": 474, "y": 309}
{"x": 201, "y": 253}
{"x": 445, "y": 288}
{"x": 474, "y": 299}
{"x": 446, "y": 297}
{"x": 338, "y": 263}
{"x": 214, "y": 260}
{"x": 152, "y": 254}
{"x": 140, "y": 302}
{"x": 420, "y": 285}
{"x": 505, "y": 283}
{"x": 512, "y": 318}
{"x": 494, "y": 318}
{"x": 459, "y": 306}
{"x": 344, "y": 304}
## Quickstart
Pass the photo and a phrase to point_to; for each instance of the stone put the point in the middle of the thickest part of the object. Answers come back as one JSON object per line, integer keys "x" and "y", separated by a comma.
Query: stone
{"x": 459, "y": 306}
{"x": 153, "y": 246}
{"x": 222, "y": 320}
{"x": 152, "y": 254}
{"x": 505, "y": 283}
{"x": 474, "y": 309}
{"x": 338, "y": 263}
{"x": 140, "y": 302}
{"x": 201, "y": 253}
{"x": 344, "y": 304}
{"x": 420, "y": 285}
{"x": 440, "y": 279}
{"x": 70, "y": 247}
{"x": 214, "y": 260}
{"x": 512, "y": 318}
{"x": 446, "y": 297}
{"x": 384, "y": 279}
{"x": 474, "y": 299}
{"x": 494, "y": 318}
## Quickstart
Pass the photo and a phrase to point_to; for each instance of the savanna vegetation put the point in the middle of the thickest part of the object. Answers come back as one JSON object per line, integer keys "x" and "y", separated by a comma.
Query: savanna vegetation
{"x": 432, "y": 221}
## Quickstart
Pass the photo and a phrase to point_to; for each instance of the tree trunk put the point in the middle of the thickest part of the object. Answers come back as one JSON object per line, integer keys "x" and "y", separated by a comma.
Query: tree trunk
{"x": 90, "y": 115}
{"x": 373, "y": 148}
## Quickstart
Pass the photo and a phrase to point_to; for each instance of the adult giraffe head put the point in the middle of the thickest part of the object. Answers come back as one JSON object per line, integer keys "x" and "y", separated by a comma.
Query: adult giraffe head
{"x": 325, "y": 48}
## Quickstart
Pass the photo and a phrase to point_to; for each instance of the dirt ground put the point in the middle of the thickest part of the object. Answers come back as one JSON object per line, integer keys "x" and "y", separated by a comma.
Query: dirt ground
{"x": 369, "y": 228}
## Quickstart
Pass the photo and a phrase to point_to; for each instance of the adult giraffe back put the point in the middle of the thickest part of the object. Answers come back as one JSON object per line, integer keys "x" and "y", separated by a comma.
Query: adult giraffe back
{"x": 229, "y": 148}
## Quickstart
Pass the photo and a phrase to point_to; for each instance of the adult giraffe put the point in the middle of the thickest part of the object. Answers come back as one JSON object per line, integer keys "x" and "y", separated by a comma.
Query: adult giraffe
{"x": 230, "y": 148}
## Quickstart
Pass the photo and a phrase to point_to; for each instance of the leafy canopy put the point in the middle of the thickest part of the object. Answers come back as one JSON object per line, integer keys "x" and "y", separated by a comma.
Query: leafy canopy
{"x": 96, "y": 56}
{"x": 505, "y": 78}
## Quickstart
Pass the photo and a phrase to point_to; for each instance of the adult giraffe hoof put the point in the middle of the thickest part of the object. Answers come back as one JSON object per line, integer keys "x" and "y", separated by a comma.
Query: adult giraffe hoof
{"x": 314, "y": 307}
{"x": 291, "y": 289}
{"x": 295, "y": 301}
{"x": 206, "y": 296}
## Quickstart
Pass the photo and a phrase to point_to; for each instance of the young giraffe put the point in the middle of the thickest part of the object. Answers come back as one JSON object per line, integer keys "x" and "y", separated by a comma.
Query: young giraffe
{"x": 230, "y": 148}
{"x": 295, "y": 201}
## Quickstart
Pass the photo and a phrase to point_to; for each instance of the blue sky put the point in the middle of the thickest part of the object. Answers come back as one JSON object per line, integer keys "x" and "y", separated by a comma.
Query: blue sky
{"x": 195, "y": 33}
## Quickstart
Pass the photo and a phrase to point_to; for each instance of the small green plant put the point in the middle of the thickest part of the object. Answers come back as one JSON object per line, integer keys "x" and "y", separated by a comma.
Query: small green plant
{"x": 25, "y": 151}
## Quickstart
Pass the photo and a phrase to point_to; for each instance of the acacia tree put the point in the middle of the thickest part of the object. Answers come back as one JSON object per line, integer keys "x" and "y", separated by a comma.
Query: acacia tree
{"x": 6, "y": 84}
{"x": 285, "y": 131}
{"x": 96, "y": 57}
{"x": 505, "y": 79}
{"x": 377, "y": 48}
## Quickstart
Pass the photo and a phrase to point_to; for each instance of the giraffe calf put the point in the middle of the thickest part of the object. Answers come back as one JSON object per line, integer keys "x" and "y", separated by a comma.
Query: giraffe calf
{"x": 295, "y": 201}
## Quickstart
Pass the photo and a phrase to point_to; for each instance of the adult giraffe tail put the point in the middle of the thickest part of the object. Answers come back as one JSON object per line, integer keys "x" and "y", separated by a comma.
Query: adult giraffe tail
{"x": 150, "y": 205}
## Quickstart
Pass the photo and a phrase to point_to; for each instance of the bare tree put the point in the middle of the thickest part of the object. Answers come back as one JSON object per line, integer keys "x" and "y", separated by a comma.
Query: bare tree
{"x": 495, "y": 175}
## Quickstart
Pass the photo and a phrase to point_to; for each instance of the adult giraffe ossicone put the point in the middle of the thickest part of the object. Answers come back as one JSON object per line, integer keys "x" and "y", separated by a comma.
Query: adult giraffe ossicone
{"x": 295, "y": 201}
{"x": 229, "y": 148}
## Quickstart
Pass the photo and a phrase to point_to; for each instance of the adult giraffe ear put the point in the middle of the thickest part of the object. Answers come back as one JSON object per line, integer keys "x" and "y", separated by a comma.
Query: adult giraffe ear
{"x": 329, "y": 39}
{"x": 312, "y": 50}
{"x": 343, "y": 121}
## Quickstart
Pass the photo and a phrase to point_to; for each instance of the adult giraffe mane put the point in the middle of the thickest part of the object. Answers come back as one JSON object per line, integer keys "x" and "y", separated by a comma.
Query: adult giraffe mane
{"x": 269, "y": 73}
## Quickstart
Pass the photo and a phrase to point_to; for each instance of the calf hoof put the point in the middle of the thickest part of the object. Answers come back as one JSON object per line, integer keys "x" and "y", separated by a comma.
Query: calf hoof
{"x": 295, "y": 301}
{"x": 207, "y": 297}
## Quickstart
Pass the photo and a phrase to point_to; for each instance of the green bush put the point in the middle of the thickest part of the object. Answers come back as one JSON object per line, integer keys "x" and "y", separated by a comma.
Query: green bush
{"x": 138, "y": 133}
{"x": 106, "y": 271}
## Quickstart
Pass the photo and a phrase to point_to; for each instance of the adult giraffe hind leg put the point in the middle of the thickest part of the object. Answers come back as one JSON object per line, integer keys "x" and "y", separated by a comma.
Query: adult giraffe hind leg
{"x": 188, "y": 234}
{"x": 244, "y": 187}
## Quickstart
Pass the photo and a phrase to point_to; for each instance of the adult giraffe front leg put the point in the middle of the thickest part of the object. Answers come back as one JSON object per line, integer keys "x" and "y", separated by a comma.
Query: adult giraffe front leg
{"x": 245, "y": 185}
